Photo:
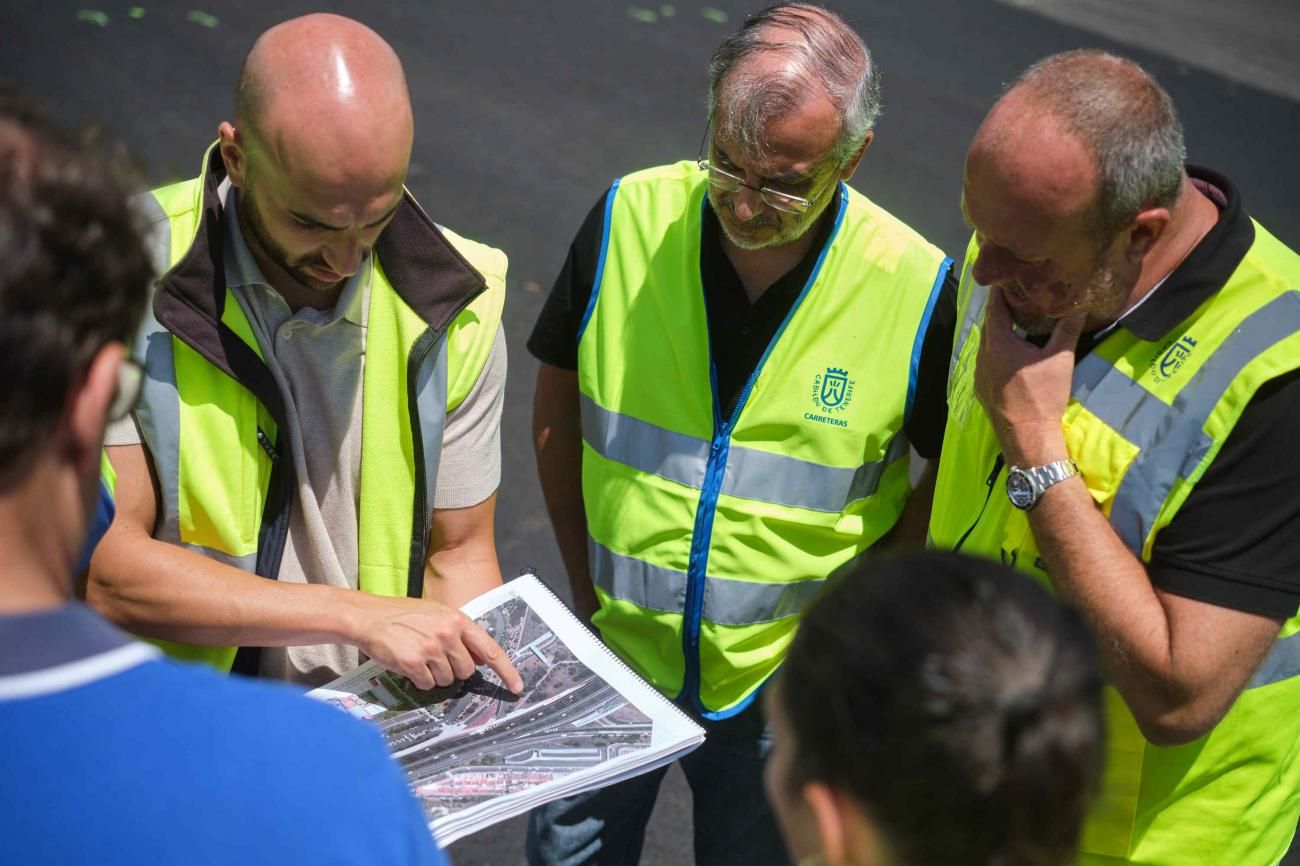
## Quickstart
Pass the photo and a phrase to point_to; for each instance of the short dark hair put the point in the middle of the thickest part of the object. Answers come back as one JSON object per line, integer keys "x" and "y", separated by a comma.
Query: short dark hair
{"x": 957, "y": 701}
{"x": 1125, "y": 119}
{"x": 74, "y": 273}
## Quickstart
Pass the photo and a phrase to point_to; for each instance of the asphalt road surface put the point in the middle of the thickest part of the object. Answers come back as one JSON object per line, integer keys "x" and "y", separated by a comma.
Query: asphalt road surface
{"x": 525, "y": 112}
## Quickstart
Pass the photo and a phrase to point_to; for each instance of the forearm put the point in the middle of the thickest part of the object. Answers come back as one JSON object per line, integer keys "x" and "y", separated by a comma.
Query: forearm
{"x": 557, "y": 440}
{"x": 563, "y": 494}
{"x": 1177, "y": 681}
{"x": 462, "y": 560}
{"x": 913, "y": 525}
{"x": 1092, "y": 568}
{"x": 455, "y": 575}
{"x": 163, "y": 591}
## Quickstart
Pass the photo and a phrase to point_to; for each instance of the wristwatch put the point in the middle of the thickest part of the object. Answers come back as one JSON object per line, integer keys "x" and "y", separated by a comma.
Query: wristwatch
{"x": 1026, "y": 486}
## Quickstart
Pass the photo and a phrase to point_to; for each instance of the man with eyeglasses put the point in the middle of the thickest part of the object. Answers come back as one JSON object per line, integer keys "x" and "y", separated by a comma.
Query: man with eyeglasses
{"x": 734, "y": 360}
{"x": 113, "y": 754}
{"x": 321, "y": 412}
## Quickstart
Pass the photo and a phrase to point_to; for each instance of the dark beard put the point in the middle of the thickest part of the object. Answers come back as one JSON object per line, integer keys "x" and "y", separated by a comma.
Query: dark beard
{"x": 255, "y": 229}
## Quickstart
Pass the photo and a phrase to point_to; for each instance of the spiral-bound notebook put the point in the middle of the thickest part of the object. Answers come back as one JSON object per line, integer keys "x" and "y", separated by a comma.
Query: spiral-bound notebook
{"x": 475, "y": 754}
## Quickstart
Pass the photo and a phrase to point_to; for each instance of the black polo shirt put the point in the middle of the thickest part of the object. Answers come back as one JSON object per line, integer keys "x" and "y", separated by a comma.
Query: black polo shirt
{"x": 739, "y": 332}
{"x": 1233, "y": 543}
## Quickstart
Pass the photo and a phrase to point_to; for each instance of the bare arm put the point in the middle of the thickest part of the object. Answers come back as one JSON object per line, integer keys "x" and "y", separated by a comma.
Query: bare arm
{"x": 164, "y": 591}
{"x": 909, "y": 533}
{"x": 1179, "y": 663}
{"x": 557, "y": 440}
{"x": 462, "y": 553}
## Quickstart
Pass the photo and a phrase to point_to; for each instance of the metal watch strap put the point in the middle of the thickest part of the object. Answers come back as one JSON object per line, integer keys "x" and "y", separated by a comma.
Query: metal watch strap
{"x": 1051, "y": 474}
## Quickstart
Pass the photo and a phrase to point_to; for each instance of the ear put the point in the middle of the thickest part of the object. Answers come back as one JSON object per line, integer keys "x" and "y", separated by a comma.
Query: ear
{"x": 844, "y": 829}
{"x": 233, "y": 154}
{"x": 826, "y": 807}
{"x": 1146, "y": 229}
{"x": 87, "y": 407}
{"x": 846, "y": 173}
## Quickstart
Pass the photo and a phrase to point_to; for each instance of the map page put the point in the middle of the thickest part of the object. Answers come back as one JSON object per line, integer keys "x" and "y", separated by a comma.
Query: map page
{"x": 475, "y": 754}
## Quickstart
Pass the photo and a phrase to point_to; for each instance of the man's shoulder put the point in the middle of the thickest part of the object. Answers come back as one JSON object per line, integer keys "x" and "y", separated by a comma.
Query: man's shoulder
{"x": 678, "y": 179}
{"x": 239, "y": 770}
{"x": 488, "y": 260}
{"x": 262, "y": 732}
{"x": 887, "y": 228}
{"x": 251, "y": 701}
{"x": 169, "y": 201}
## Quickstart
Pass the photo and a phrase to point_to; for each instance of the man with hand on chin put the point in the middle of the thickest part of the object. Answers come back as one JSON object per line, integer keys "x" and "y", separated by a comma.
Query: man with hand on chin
{"x": 1123, "y": 404}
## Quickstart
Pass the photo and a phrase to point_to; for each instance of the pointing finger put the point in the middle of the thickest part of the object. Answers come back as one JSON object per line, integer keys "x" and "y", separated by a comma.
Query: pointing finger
{"x": 486, "y": 651}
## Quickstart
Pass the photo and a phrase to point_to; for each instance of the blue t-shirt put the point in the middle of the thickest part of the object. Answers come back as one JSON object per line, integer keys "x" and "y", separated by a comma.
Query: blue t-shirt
{"x": 99, "y": 523}
{"x": 111, "y": 754}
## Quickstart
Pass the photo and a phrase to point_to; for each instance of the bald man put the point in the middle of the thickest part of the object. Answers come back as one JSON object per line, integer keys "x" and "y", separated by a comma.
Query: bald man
{"x": 322, "y": 402}
{"x": 1123, "y": 411}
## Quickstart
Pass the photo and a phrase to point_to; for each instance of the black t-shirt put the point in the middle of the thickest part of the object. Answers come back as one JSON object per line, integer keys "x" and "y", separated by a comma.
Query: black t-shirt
{"x": 1233, "y": 542}
{"x": 739, "y": 332}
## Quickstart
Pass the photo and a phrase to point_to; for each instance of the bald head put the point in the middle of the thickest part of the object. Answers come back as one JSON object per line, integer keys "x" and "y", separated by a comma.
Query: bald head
{"x": 1033, "y": 160}
{"x": 1105, "y": 108}
{"x": 780, "y": 59}
{"x": 319, "y": 152}
{"x": 328, "y": 79}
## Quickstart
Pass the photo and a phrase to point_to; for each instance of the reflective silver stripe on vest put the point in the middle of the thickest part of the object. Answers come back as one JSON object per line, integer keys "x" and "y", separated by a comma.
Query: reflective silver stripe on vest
{"x": 158, "y": 414}
{"x": 158, "y": 410}
{"x": 629, "y": 579}
{"x": 979, "y": 297}
{"x": 1281, "y": 663}
{"x": 726, "y": 601}
{"x": 1173, "y": 442}
{"x": 157, "y": 232}
{"x": 749, "y": 474}
{"x": 431, "y": 406}
{"x": 1118, "y": 400}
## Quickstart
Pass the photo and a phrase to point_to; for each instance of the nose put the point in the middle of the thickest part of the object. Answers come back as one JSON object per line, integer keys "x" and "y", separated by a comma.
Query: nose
{"x": 343, "y": 254}
{"x": 748, "y": 204}
{"x": 990, "y": 266}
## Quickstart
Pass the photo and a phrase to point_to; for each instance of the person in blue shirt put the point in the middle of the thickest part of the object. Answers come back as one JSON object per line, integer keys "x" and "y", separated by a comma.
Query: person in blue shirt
{"x": 100, "y": 520}
{"x": 111, "y": 753}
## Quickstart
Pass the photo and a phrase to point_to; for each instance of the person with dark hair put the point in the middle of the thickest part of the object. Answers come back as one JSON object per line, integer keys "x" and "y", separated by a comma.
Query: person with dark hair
{"x": 322, "y": 401}
{"x": 734, "y": 360}
{"x": 936, "y": 710}
{"x": 1127, "y": 370}
{"x": 113, "y": 755}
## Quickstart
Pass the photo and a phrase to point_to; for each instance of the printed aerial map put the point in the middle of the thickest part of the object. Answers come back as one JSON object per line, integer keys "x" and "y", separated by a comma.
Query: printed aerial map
{"x": 473, "y": 742}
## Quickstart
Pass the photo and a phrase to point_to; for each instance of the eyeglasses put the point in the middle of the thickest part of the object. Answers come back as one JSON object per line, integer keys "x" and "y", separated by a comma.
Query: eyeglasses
{"x": 130, "y": 379}
{"x": 728, "y": 182}
{"x": 773, "y": 198}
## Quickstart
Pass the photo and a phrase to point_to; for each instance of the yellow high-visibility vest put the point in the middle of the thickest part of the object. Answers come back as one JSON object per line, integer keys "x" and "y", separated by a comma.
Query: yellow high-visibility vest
{"x": 1144, "y": 421}
{"x": 709, "y": 534}
{"x": 210, "y": 412}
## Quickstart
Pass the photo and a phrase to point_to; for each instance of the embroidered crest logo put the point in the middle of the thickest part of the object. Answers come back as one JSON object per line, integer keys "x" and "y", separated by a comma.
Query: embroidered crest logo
{"x": 1171, "y": 359}
{"x": 832, "y": 391}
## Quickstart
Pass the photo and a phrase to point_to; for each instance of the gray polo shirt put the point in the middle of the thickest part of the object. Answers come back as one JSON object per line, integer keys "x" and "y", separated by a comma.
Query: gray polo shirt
{"x": 317, "y": 358}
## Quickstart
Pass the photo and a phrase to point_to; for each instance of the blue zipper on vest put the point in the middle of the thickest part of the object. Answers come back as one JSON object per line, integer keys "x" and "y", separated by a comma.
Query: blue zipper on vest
{"x": 714, "y": 473}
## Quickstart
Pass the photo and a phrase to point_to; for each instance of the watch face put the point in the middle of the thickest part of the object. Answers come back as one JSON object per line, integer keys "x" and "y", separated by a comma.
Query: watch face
{"x": 1020, "y": 490}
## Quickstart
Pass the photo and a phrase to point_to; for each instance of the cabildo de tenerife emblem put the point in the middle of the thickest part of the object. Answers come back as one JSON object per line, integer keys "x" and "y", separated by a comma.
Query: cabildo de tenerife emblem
{"x": 832, "y": 392}
{"x": 1171, "y": 357}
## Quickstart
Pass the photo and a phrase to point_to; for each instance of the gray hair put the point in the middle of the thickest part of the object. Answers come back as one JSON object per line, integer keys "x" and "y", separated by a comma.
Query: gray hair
{"x": 822, "y": 51}
{"x": 1125, "y": 120}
